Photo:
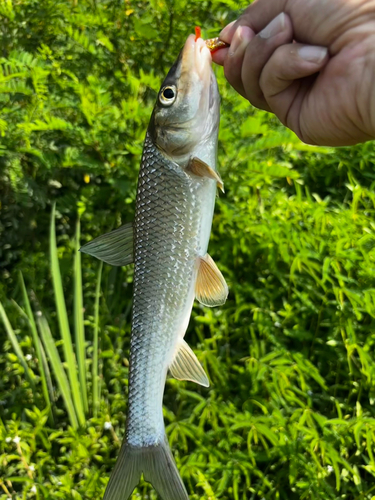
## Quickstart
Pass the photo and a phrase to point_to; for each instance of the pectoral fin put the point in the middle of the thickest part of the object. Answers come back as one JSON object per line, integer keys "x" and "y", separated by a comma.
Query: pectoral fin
{"x": 201, "y": 169}
{"x": 186, "y": 366}
{"x": 115, "y": 248}
{"x": 210, "y": 289}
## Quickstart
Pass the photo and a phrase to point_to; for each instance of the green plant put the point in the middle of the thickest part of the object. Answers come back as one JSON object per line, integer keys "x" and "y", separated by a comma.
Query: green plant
{"x": 290, "y": 411}
{"x": 73, "y": 387}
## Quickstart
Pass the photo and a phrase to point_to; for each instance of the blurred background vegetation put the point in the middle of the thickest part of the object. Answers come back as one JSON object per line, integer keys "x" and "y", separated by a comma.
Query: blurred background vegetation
{"x": 290, "y": 411}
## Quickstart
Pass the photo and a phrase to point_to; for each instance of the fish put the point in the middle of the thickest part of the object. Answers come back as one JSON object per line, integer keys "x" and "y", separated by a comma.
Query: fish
{"x": 168, "y": 243}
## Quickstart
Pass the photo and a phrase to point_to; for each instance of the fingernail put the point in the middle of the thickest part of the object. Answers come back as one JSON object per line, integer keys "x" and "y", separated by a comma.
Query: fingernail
{"x": 241, "y": 38}
{"x": 312, "y": 53}
{"x": 225, "y": 31}
{"x": 275, "y": 27}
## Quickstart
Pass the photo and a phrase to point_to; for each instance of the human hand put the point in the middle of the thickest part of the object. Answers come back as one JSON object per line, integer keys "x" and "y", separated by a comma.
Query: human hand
{"x": 311, "y": 62}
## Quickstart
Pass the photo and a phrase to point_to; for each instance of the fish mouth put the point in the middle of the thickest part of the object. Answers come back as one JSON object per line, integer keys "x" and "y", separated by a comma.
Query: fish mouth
{"x": 196, "y": 58}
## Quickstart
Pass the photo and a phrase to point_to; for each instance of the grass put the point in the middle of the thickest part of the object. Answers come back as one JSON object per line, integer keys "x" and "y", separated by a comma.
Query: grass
{"x": 69, "y": 374}
{"x": 76, "y": 390}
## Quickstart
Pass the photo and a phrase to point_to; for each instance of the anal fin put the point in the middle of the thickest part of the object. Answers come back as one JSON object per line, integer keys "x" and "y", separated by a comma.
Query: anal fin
{"x": 186, "y": 366}
{"x": 201, "y": 169}
{"x": 211, "y": 288}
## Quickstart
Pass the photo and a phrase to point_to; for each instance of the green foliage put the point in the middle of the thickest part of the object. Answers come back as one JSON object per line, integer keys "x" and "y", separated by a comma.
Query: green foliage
{"x": 290, "y": 411}
{"x": 73, "y": 387}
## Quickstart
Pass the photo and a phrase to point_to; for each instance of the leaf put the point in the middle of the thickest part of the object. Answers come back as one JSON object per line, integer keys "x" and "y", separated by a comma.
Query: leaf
{"x": 58, "y": 369}
{"x": 48, "y": 395}
{"x": 64, "y": 325}
{"x": 17, "y": 348}
{"x": 144, "y": 29}
{"x": 78, "y": 320}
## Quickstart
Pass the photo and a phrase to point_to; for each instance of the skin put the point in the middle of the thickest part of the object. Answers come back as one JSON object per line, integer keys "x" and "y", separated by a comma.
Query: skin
{"x": 311, "y": 62}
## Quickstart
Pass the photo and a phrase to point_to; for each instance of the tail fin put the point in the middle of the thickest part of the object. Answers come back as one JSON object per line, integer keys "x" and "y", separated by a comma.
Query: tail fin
{"x": 158, "y": 467}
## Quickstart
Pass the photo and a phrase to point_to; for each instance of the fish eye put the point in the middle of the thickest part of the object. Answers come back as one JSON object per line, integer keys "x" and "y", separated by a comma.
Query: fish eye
{"x": 168, "y": 95}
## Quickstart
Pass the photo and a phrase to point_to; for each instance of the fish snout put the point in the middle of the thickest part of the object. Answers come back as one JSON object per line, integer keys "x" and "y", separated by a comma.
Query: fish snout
{"x": 196, "y": 58}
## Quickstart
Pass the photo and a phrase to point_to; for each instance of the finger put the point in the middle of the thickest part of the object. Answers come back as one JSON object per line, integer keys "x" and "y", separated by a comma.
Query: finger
{"x": 280, "y": 80}
{"x": 234, "y": 58}
{"x": 278, "y": 32}
{"x": 256, "y": 16}
{"x": 229, "y": 31}
{"x": 219, "y": 56}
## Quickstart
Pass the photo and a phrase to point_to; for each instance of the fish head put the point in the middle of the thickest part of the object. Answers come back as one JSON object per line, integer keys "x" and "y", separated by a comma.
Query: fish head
{"x": 186, "y": 112}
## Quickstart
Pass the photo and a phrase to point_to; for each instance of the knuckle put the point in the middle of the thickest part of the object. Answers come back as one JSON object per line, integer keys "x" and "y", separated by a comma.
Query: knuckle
{"x": 265, "y": 81}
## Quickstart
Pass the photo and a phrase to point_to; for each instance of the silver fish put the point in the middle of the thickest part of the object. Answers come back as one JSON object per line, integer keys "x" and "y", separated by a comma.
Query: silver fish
{"x": 168, "y": 243}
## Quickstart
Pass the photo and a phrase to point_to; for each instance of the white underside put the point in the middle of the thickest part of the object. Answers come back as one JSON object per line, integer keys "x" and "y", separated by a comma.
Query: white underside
{"x": 207, "y": 202}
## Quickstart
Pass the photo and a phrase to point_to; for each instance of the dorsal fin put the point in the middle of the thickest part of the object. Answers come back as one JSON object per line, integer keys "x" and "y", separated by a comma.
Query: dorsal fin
{"x": 115, "y": 248}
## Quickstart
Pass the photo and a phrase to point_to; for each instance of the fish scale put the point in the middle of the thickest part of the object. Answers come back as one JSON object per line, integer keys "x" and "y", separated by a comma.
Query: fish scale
{"x": 164, "y": 266}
